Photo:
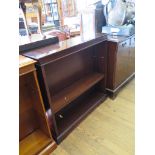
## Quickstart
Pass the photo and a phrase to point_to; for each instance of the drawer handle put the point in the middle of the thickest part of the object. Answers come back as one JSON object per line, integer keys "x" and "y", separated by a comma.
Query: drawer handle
{"x": 61, "y": 116}
{"x": 66, "y": 99}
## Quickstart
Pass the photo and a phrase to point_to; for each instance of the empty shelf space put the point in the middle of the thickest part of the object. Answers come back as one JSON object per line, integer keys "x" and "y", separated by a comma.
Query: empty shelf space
{"x": 34, "y": 143}
{"x": 72, "y": 116}
{"x": 73, "y": 91}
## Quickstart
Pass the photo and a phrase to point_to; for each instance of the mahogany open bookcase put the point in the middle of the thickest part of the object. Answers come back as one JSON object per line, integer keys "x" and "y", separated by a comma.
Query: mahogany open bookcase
{"x": 72, "y": 77}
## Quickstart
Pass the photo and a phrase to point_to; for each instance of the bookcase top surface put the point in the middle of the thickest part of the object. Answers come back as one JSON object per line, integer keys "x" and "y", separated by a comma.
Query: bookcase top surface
{"x": 118, "y": 39}
{"x": 24, "y": 61}
{"x": 26, "y": 65}
{"x": 77, "y": 43}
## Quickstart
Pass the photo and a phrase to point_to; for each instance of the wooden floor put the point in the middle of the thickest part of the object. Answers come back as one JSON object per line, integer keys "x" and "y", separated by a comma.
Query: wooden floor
{"x": 108, "y": 130}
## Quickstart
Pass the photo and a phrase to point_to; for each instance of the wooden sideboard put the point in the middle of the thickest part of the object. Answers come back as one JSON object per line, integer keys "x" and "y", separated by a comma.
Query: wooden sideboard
{"x": 34, "y": 132}
{"x": 121, "y": 62}
{"x": 72, "y": 77}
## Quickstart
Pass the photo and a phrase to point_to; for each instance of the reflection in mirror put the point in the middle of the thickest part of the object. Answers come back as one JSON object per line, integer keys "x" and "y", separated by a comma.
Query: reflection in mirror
{"x": 36, "y": 17}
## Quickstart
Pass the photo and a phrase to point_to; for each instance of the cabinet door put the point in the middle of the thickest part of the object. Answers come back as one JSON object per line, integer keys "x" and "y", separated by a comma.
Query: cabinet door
{"x": 122, "y": 61}
{"x": 131, "y": 65}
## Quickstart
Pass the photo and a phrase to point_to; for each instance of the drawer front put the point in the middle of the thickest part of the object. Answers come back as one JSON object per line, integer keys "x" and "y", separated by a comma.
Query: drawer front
{"x": 122, "y": 60}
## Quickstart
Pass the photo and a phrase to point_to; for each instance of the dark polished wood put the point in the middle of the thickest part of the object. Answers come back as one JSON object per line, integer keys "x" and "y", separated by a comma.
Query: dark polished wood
{"x": 121, "y": 62}
{"x": 72, "y": 76}
{"x": 64, "y": 48}
{"x": 67, "y": 95}
{"x": 34, "y": 132}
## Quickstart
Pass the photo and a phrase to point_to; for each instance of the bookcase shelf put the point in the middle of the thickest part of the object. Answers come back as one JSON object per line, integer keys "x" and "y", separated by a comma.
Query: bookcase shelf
{"x": 73, "y": 91}
{"x": 80, "y": 108}
{"x": 34, "y": 143}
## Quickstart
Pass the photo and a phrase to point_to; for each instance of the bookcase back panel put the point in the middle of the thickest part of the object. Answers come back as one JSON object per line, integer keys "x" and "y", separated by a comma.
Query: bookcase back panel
{"x": 67, "y": 70}
{"x": 28, "y": 121}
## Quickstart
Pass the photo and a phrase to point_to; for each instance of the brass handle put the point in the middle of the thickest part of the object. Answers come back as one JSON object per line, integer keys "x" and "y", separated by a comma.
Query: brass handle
{"x": 61, "y": 116}
{"x": 66, "y": 99}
